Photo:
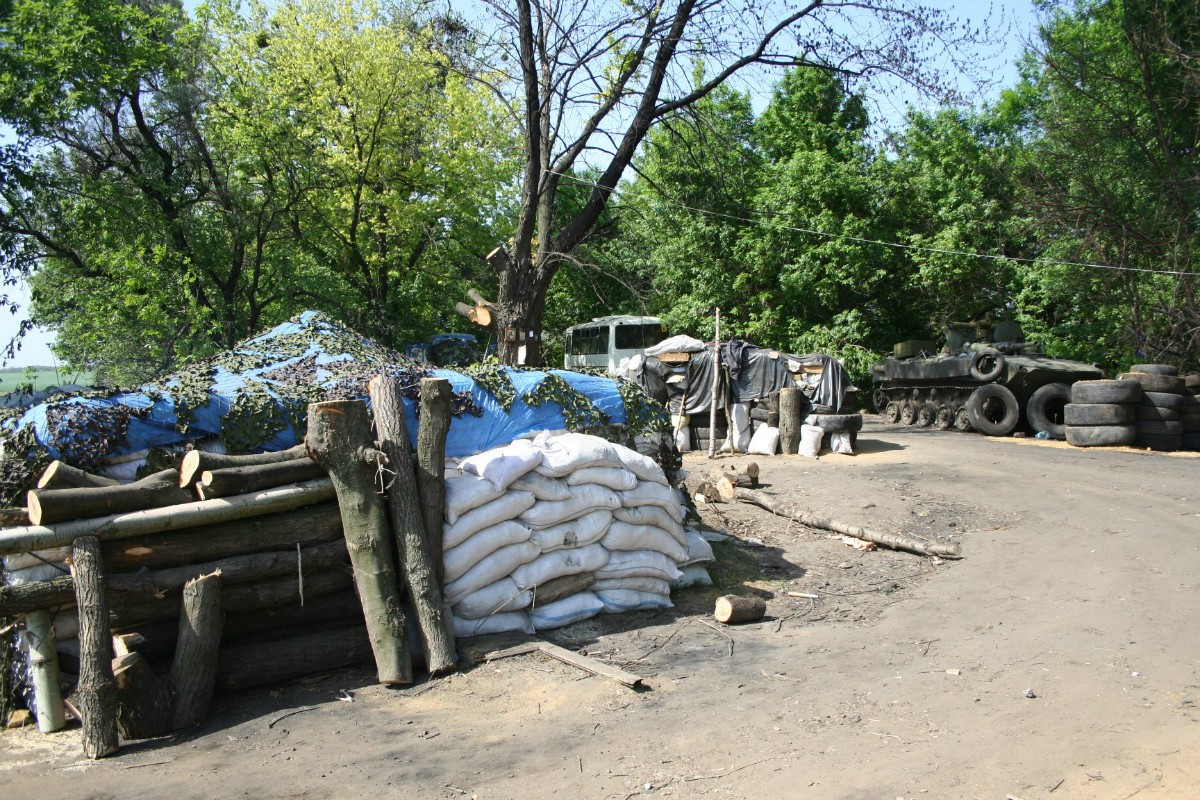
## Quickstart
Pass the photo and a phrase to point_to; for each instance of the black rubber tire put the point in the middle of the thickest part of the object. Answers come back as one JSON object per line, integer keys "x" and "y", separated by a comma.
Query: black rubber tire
{"x": 1191, "y": 381}
{"x": 1165, "y": 399}
{"x": 1106, "y": 392}
{"x": 1165, "y": 443}
{"x": 925, "y": 414}
{"x": 1154, "y": 383}
{"x": 943, "y": 420}
{"x": 1101, "y": 435}
{"x": 1084, "y": 414}
{"x": 993, "y": 410}
{"x": 987, "y": 364}
{"x": 1190, "y": 440}
{"x": 1045, "y": 409}
{"x": 1155, "y": 369}
{"x": 1159, "y": 427}
{"x": 879, "y": 399}
{"x": 908, "y": 412}
{"x": 837, "y": 423}
{"x": 962, "y": 420}
{"x": 1146, "y": 411}
{"x": 891, "y": 413}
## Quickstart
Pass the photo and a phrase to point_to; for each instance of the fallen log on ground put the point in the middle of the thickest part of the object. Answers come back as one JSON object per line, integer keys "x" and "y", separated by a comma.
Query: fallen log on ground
{"x": 892, "y": 540}
{"x": 197, "y": 461}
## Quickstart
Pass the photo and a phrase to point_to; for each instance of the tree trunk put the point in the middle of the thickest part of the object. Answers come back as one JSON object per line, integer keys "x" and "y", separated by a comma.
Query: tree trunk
{"x": 97, "y": 689}
{"x": 431, "y": 463}
{"x": 791, "y": 406}
{"x": 240, "y": 480}
{"x": 519, "y": 305}
{"x": 194, "y": 670}
{"x": 47, "y": 506}
{"x": 416, "y": 561}
{"x": 196, "y": 461}
{"x": 43, "y": 664}
{"x": 339, "y": 440}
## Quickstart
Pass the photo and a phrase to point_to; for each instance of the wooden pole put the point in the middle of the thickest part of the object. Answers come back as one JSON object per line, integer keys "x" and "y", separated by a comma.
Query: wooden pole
{"x": 157, "y": 520}
{"x": 251, "y": 478}
{"x": 97, "y": 688}
{"x": 433, "y": 426}
{"x": 791, "y": 404}
{"x": 716, "y": 384}
{"x": 63, "y": 476}
{"x": 196, "y": 461}
{"x": 339, "y": 440}
{"x": 47, "y": 506}
{"x": 43, "y": 663}
{"x": 416, "y": 561}
{"x": 194, "y": 670}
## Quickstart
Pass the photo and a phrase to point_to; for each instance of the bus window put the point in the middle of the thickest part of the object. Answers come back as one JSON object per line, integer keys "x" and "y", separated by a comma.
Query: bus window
{"x": 639, "y": 337}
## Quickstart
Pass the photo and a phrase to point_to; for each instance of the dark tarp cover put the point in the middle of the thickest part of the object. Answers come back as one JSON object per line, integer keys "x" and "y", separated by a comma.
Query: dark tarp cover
{"x": 759, "y": 373}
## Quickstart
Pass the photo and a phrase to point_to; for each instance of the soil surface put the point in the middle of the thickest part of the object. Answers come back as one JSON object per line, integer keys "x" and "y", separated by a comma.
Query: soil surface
{"x": 1059, "y": 657}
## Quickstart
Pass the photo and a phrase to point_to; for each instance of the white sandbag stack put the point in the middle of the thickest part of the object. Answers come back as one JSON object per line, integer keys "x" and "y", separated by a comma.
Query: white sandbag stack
{"x": 562, "y": 505}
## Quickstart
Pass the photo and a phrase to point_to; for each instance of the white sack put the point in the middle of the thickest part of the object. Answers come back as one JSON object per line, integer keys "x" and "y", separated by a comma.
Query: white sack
{"x": 683, "y": 439}
{"x": 764, "y": 442}
{"x": 840, "y": 443}
{"x": 618, "y": 601}
{"x": 810, "y": 440}
{"x": 616, "y": 478}
{"x": 491, "y": 569}
{"x": 585, "y": 498}
{"x": 693, "y": 575}
{"x": 652, "y": 515}
{"x": 648, "y": 493}
{"x": 558, "y": 563}
{"x": 578, "y": 532}
{"x": 497, "y": 623}
{"x": 501, "y": 596}
{"x": 457, "y": 560}
{"x": 565, "y": 453}
{"x": 574, "y": 608}
{"x": 41, "y": 572}
{"x": 623, "y": 536}
{"x": 37, "y": 558}
{"x": 638, "y": 564}
{"x": 507, "y": 506}
{"x": 464, "y": 492}
{"x": 541, "y": 487}
{"x": 643, "y": 584}
{"x": 500, "y": 466}
{"x": 698, "y": 549}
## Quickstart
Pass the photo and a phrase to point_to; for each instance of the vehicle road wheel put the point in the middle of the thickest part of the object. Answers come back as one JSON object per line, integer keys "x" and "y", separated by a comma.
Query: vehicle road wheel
{"x": 1045, "y": 409}
{"x": 1081, "y": 414}
{"x": 891, "y": 413}
{"x": 926, "y": 414}
{"x": 1106, "y": 392}
{"x": 880, "y": 399}
{"x": 962, "y": 420}
{"x": 987, "y": 364}
{"x": 943, "y": 420}
{"x": 1101, "y": 435}
{"x": 993, "y": 410}
{"x": 908, "y": 413}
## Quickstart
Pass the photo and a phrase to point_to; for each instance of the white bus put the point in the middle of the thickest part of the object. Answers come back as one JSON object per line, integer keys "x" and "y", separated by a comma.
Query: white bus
{"x": 603, "y": 342}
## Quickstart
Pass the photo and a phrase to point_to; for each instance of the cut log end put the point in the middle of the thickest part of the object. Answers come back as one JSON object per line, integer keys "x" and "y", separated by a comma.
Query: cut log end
{"x": 731, "y": 609}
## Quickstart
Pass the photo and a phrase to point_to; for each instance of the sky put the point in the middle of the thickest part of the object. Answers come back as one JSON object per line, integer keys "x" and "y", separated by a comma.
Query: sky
{"x": 1014, "y": 16}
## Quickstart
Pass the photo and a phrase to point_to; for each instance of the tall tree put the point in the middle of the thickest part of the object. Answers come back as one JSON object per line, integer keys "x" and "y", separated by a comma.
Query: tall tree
{"x": 595, "y": 76}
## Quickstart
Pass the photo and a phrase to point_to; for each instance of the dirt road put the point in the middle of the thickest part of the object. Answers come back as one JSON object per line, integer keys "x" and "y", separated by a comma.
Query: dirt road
{"x": 1060, "y": 657}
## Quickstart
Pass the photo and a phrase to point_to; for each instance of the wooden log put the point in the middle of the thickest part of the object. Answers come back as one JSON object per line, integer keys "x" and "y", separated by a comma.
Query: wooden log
{"x": 731, "y": 609}
{"x": 196, "y": 461}
{"x": 306, "y": 526}
{"x": 791, "y": 408}
{"x": 272, "y": 662}
{"x": 143, "y": 697}
{"x": 558, "y": 588}
{"x": 893, "y": 540}
{"x": 194, "y": 670}
{"x": 431, "y": 462}
{"x": 47, "y": 506}
{"x": 43, "y": 664}
{"x": 716, "y": 384}
{"x": 96, "y": 692}
{"x": 403, "y": 501}
{"x": 13, "y": 516}
{"x": 157, "y": 520}
{"x": 239, "y": 480}
{"x": 773, "y": 410}
{"x": 339, "y": 440}
{"x": 63, "y": 476}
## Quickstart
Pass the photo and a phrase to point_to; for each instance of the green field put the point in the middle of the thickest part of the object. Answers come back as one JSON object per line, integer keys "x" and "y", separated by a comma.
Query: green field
{"x": 40, "y": 377}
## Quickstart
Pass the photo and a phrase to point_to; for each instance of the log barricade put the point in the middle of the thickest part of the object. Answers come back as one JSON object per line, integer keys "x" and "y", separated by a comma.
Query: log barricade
{"x": 228, "y": 573}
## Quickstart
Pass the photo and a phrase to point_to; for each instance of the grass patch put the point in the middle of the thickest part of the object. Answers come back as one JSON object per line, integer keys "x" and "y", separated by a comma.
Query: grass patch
{"x": 11, "y": 378}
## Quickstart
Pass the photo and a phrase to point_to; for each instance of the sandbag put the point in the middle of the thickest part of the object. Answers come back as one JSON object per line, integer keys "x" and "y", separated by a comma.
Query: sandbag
{"x": 39, "y": 572}
{"x": 638, "y": 563}
{"x": 810, "y": 440}
{"x": 496, "y": 623}
{"x": 584, "y": 498}
{"x": 507, "y": 506}
{"x": 500, "y": 466}
{"x": 652, "y": 515}
{"x": 683, "y": 439}
{"x": 36, "y": 558}
{"x": 495, "y": 598}
{"x": 618, "y": 601}
{"x": 840, "y": 443}
{"x": 578, "y": 532}
{"x": 623, "y": 536}
{"x": 457, "y": 560}
{"x": 648, "y": 493}
{"x": 464, "y": 492}
{"x": 541, "y": 487}
{"x": 692, "y": 575}
{"x": 558, "y": 563}
{"x": 579, "y": 606}
{"x": 764, "y": 442}
{"x": 698, "y": 549}
{"x": 618, "y": 479}
{"x": 564, "y": 453}
{"x": 641, "y": 584}
{"x": 491, "y": 569}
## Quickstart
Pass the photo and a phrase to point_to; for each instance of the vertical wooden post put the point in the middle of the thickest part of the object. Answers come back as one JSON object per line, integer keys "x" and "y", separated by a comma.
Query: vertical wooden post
{"x": 431, "y": 462}
{"x": 791, "y": 407}
{"x": 97, "y": 689}
{"x": 339, "y": 440}
{"x": 716, "y": 384}
{"x": 43, "y": 663}
{"x": 416, "y": 561}
{"x": 194, "y": 669}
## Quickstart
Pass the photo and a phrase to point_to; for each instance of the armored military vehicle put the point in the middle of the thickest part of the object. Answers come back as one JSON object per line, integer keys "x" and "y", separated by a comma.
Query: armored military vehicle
{"x": 986, "y": 378}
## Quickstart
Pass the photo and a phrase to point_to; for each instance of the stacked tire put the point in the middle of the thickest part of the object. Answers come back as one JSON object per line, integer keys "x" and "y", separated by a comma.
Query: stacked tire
{"x": 1191, "y": 412}
{"x": 836, "y": 423}
{"x": 1102, "y": 413}
{"x": 1158, "y": 419}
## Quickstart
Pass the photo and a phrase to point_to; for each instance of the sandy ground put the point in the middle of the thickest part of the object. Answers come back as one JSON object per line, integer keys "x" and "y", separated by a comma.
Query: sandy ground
{"x": 1057, "y": 658}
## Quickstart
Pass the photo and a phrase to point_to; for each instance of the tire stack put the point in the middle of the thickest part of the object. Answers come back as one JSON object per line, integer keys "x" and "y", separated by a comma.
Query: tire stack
{"x": 1158, "y": 419}
{"x": 1191, "y": 412}
{"x": 1102, "y": 413}
{"x": 836, "y": 423}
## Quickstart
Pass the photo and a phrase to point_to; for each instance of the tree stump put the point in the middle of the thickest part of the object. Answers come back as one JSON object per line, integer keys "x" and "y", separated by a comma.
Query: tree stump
{"x": 194, "y": 670}
{"x": 97, "y": 689}
{"x": 731, "y": 609}
{"x": 791, "y": 410}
